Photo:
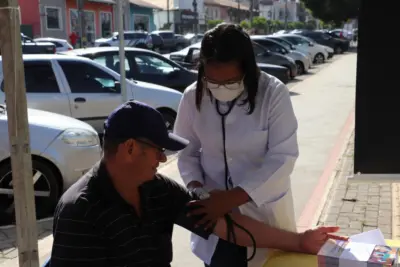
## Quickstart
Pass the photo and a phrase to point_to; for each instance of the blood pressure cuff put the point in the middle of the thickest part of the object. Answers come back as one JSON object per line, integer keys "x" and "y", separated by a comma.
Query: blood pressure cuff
{"x": 189, "y": 222}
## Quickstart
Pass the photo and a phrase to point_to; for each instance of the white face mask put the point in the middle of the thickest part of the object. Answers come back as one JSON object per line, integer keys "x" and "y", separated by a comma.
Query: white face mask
{"x": 226, "y": 92}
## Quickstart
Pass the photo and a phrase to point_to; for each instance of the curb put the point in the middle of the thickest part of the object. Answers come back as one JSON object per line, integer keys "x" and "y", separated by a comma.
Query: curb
{"x": 314, "y": 207}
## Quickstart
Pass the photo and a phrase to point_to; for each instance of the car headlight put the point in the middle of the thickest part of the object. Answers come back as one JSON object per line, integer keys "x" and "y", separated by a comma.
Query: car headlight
{"x": 80, "y": 138}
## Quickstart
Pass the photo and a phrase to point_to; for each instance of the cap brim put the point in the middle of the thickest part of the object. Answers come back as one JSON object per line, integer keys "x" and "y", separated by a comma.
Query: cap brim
{"x": 175, "y": 142}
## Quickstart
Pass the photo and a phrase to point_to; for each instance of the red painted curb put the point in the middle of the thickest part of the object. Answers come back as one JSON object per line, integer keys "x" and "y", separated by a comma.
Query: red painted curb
{"x": 309, "y": 212}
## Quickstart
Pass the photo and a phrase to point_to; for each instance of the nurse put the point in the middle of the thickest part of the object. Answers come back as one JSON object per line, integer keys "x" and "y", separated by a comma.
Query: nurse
{"x": 243, "y": 145}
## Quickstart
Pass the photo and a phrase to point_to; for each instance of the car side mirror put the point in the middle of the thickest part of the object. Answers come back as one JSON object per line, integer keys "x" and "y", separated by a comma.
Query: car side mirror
{"x": 310, "y": 44}
{"x": 115, "y": 38}
{"x": 117, "y": 88}
{"x": 173, "y": 73}
{"x": 190, "y": 56}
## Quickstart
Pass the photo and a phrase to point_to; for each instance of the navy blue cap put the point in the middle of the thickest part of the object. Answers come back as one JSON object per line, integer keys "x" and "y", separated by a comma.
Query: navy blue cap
{"x": 134, "y": 119}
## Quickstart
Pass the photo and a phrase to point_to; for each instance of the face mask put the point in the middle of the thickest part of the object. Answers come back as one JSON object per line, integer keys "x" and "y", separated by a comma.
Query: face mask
{"x": 226, "y": 92}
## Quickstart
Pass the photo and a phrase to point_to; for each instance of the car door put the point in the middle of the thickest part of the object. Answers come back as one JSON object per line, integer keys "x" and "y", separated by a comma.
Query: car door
{"x": 93, "y": 93}
{"x": 157, "y": 69}
{"x": 43, "y": 89}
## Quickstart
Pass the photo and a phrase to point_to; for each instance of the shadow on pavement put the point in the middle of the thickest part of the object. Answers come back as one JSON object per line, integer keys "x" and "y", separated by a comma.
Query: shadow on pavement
{"x": 8, "y": 237}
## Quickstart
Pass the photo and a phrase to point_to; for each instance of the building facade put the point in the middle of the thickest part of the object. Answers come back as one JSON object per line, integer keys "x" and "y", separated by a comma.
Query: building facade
{"x": 142, "y": 15}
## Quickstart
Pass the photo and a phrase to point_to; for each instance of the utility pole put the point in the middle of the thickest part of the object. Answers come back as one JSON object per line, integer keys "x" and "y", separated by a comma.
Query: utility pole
{"x": 238, "y": 11}
{"x": 81, "y": 22}
{"x": 196, "y": 26}
{"x": 122, "y": 51}
{"x": 286, "y": 14}
{"x": 18, "y": 133}
{"x": 168, "y": 19}
{"x": 251, "y": 11}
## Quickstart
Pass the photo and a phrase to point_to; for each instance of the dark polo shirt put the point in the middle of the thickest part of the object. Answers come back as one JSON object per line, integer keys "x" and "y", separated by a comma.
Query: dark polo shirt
{"x": 94, "y": 226}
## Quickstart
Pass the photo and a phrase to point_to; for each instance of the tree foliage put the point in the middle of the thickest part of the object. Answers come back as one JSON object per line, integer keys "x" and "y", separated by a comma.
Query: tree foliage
{"x": 336, "y": 11}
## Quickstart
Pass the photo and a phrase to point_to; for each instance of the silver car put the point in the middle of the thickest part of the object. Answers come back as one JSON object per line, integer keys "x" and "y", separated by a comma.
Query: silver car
{"x": 303, "y": 62}
{"x": 63, "y": 149}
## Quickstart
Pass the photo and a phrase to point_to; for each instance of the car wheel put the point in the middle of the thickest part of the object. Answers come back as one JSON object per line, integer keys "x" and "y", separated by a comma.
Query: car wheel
{"x": 104, "y": 45}
{"x": 300, "y": 67}
{"x": 169, "y": 118}
{"x": 47, "y": 189}
{"x": 319, "y": 58}
{"x": 338, "y": 50}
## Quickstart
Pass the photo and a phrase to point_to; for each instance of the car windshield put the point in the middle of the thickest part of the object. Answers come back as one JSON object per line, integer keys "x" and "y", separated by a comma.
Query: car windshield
{"x": 152, "y": 64}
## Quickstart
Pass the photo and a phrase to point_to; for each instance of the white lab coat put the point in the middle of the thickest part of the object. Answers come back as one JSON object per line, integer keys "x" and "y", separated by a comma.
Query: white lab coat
{"x": 261, "y": 150}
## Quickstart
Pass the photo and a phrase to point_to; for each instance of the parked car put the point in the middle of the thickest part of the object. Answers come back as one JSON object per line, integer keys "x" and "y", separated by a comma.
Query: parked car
{"x": 292, "y": 46}
{"x": 63, "y": 149}
{"x": 156, "y": 43}
{"x": 84, "y": 89}
{"x": 318, "y": 52}
{"x": 266, "y": 56}
{"x": 142, "y": 65}
{"x": 194, "y": 38}
{"x": 338, "y": 45}
{"x": 170, "y": 42}
{"x": 131, "y": 39}
{"x": 302, "y": 61}
{"x": 29, "y": 46}
{"x": 189, "y": 57}
{"x": 61, "y": 44}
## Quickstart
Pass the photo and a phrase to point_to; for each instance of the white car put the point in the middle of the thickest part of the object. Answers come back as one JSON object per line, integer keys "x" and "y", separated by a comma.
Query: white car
{"x": 318, "y": 52}
{"x": 61, "y": 44}
{"x": 84, "y": 89}
{"x": 63, "y": 149}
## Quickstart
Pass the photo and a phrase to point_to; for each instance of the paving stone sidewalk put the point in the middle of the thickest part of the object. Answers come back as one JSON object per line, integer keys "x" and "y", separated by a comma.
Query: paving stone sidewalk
{"x": 358, "y": 208}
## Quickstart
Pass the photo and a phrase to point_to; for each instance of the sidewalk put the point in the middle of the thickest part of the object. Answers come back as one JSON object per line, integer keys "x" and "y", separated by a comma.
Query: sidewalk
{"x": 361, "y": 207}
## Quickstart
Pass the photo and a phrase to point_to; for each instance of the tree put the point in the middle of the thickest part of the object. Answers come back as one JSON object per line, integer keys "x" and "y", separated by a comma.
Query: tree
{"x": 259, "y": 23}
{"x": 336, "y": 11}
{"x": 212, "y": 23}
{"x": 245, "y": 24}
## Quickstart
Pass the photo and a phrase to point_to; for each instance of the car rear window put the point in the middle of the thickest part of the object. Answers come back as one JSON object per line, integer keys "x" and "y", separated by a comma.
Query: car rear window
{"x": 167, "y": 35}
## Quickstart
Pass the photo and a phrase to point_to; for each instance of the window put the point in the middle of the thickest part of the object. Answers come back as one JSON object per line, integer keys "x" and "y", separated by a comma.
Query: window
{"x": 53, "y": 18}
{"x": 86, "y": 78}
{"x": 166, "y": 35}
{"x": 152, "y": 65}
{"x": 258, "y": 50}
{"x": 39, "y": 78}
{"x": 111, "y": 61}
{"x": 90, "y": 26}
{"x": 105, "y": 23}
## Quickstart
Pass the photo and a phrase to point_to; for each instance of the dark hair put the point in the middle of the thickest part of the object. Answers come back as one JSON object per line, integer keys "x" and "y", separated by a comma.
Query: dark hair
{"x": 110, "y": 146}
{"x": 229, "y": 43}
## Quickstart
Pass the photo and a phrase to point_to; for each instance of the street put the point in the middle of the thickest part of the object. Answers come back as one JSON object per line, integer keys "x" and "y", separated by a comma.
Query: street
{"x": 323, "y": 101}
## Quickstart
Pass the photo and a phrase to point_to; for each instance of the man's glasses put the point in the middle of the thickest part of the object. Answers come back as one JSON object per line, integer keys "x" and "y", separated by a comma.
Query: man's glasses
{"x": 162, "y": 150}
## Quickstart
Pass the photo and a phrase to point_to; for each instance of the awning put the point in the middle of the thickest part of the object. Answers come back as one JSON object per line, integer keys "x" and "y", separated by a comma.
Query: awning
{"x": 143, "y": 3}
{"x": 112, "y": 2}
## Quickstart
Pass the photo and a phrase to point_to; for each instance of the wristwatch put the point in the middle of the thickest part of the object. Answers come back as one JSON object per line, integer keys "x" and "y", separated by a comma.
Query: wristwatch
{"x": 201, "y": 193}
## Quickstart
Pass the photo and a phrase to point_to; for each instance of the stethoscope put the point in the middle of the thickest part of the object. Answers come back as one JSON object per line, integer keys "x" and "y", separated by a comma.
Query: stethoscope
{"x": 228, "y": 179}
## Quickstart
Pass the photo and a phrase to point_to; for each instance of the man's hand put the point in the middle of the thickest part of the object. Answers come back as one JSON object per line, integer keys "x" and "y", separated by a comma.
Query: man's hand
{"x": 311, "y": 241}
{"x": 212, "y": 208}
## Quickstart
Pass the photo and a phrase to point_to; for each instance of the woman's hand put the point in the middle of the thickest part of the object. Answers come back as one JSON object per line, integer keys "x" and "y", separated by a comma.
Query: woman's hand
{"x": 311, "y": 241}
{"x": 219, "y": 204}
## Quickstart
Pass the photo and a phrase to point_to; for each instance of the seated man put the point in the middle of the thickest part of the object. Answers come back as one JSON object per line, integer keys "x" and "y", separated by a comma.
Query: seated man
{"x": 122, "y": 212}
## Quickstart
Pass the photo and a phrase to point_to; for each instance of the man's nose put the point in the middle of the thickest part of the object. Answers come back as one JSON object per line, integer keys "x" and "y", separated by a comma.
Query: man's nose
{"x": 163, "y": 157}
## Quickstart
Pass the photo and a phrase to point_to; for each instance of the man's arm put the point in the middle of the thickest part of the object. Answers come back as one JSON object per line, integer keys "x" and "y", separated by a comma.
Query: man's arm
{"x": 76, "y": 242}
{"x": 265, "y": 236}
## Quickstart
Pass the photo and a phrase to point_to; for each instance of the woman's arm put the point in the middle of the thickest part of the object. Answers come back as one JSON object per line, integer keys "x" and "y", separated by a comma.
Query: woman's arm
{"x": 189, "y": 158}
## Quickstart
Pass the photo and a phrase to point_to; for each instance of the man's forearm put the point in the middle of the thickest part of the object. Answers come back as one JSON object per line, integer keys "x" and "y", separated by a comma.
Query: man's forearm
{"x": 264, "y": 235}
